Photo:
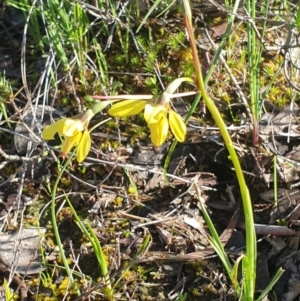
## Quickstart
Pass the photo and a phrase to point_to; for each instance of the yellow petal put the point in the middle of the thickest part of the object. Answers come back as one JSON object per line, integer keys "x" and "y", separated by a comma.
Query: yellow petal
{"x": 50, "y": 130}
{"x": 70, "y": 142}
{"x": 177, "y": 125}
{"x": 159, "y": 131}
{"x": 84, "y": 146}
{"x": 127, "y": 107}
{"x": 153, "y": 113}
{"x": 72, "y": 127}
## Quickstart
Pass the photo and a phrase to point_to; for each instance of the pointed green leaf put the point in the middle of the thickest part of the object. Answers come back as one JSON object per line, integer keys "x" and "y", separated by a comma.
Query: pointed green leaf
{"x": 235, "y": 271}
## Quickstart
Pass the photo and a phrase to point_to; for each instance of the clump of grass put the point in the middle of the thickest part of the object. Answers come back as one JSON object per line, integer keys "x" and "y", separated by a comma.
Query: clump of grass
{"x": 6, "y": 94}
{"x": 5, "y": 89}
{"x": 64, "y": 30}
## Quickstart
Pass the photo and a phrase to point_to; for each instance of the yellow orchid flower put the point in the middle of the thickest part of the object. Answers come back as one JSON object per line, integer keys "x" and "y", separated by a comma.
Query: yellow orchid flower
{"x": 158, "y": 115}
{"x": 74, "y": 131}
{"x": 158, "y": 118}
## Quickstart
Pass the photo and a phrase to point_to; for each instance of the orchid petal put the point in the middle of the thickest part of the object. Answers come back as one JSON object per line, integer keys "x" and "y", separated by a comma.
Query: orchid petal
{"x": 153, "y": 113}
{"x": 70, "y": 142}
{"x": 72, "y": 127}
{"x": 50, "y": 130}
{"x": 127, "y": 108}
{"x": 159, "y": 131}
{"x": 177, "y": 125}
{"x": 84, "y": 146}
{"x": 174, "y": 85}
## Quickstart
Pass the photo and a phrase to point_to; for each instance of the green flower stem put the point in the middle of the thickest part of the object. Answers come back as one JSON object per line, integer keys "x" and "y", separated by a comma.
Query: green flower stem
{"x": 250, "y": 262}
{"x": 99, "y": 106}
{"x": 55, "y": 227}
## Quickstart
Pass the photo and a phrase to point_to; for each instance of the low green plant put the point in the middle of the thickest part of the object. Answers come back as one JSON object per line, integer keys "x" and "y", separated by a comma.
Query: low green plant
{"x": 153, "y": 8}
{"x": 297, "y": 19}
{"x": 6, "y": 94}
{"x": 64, "y": 29}
{"x": 87, "y": 230}
{"x": 109, "y": 286}
{"x": 255, "y": 49}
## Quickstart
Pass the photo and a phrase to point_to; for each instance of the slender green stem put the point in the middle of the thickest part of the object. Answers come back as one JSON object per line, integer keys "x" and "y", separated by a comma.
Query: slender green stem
{"x": 55, "y": 227}
{"x": 250, "y": 266}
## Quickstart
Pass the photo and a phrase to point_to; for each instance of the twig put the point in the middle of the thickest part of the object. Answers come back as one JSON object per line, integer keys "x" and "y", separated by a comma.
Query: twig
{"x": 15, "y": 158}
